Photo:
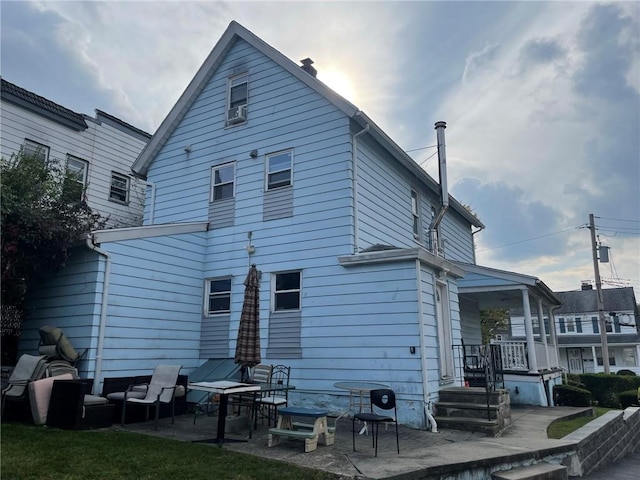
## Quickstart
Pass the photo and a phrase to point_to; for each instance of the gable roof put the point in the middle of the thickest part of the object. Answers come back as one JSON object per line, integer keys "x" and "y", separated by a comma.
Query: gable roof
{"x": 236, "y": 31}
{"x": 586, "y": 301}
{"x": 42, "y": 106}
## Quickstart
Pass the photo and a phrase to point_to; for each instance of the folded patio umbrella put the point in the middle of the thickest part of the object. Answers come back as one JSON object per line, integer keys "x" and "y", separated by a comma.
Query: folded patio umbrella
{"x": 248, "y": 343}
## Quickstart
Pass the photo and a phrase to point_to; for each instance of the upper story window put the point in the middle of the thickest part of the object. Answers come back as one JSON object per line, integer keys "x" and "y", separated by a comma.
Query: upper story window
{"x": 286, "y": 291}
{"x": 218, "y": 296}
{"x": 237, "y": 98}
{"x": 571, "y": 326}
{"x": 415, "y": 214}
{"x": 223, "y": 181}
{"x": 77, "y": 169}
{"x": 279, "y": 167}
{"x": 38, "y": 149}
{"x": 119, "y": 190}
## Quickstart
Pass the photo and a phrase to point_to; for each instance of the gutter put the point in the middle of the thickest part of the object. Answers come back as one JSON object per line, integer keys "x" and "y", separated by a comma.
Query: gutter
{"x": 103, "y": 313}
{"x": 354, "y": 162}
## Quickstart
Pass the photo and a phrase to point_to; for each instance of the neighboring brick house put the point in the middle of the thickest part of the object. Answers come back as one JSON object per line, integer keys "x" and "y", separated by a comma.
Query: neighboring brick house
{"x": 100, "y": 150}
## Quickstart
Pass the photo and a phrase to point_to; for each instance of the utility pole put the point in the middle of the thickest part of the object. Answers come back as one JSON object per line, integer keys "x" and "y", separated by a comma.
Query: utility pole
{"x": 596, "y": 270}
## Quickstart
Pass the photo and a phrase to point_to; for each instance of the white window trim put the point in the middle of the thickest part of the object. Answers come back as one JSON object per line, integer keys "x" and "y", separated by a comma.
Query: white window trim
{"x": 128, "y": 188}
{"x": 85, "y": 164}
{"x": 415, "y": 214}
{"x": 267, "y": 172}
{"x": 230, "y": 84}
{"x": 37, "y": 146}
{"x": 207, "y": 295}
{"x": 213, "y": 180}
{"x": 273, "y": 292}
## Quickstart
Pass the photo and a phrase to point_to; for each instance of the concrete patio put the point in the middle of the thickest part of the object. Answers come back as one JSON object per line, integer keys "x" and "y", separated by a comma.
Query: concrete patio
{"x": 446, "y": 454}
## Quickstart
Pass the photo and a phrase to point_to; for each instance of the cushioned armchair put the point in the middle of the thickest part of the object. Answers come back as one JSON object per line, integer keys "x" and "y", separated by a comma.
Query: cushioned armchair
{"x": 161, "y": 389}
{"x": 28, "y": 369}
{"x": 71, "y": 407}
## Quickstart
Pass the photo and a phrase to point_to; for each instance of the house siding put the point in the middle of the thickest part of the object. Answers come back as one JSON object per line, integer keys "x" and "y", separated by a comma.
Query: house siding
{"x": 384, "y": 207}
{"x": 357, "y": 321}
{"x": 103, "y": 146}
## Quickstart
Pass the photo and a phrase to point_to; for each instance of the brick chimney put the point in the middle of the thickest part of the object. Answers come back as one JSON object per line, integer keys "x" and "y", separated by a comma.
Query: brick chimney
{"x": 306, "y": 66}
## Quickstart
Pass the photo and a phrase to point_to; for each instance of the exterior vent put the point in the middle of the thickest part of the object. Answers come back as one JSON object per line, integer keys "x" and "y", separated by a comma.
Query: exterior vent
{"x": 237, "y": 114}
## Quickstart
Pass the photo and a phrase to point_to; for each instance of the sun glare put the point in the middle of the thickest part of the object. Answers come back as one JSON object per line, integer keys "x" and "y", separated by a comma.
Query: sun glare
{"x": 339, "y": 82}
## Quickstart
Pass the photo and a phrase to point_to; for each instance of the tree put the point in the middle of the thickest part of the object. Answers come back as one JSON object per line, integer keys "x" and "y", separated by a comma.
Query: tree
{"x": 492, "y": 321}
{"x": 42, "y": 218}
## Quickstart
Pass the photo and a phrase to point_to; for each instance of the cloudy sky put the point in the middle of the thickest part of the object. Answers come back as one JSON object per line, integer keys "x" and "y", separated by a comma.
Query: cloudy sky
{"x": 541, "y": 100}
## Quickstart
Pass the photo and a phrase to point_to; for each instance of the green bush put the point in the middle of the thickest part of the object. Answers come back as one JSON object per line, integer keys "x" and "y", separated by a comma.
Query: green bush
{"x": 626, "y": 372}
{"x": 605, "y": 389}
{"x": 628, "y": 398}
{"x": 569, "y": 395}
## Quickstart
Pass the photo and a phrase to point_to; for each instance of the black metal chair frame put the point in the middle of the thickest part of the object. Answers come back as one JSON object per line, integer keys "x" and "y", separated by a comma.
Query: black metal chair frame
{"x": 384, "y": 399}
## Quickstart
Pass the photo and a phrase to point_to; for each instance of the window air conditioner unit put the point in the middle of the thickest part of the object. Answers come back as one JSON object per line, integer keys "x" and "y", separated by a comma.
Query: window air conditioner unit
{"x": 237, "y": 114}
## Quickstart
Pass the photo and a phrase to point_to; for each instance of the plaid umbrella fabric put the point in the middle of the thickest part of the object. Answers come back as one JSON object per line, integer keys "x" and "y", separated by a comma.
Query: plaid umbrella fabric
{"x": 248, "y": 343}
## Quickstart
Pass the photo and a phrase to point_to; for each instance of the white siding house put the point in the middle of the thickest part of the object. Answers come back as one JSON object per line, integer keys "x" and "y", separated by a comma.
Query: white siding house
{"x": 99, "y": 149}
{"x": 260, "y": 163}
{"x": 578, "y": 330}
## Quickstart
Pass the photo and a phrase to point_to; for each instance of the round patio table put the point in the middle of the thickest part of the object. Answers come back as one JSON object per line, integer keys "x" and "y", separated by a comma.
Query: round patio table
{"x": 359, "y": 397}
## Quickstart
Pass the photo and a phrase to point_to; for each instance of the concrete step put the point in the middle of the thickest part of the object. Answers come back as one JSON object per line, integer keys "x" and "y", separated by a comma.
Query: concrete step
{"x": 467, "y": 410}
{"x": 488, "y": 427}
{"x": 539, "y": 471}
{"x": 473, "y": 395}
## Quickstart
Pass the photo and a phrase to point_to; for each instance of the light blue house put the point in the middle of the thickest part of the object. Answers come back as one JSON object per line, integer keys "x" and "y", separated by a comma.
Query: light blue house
{"x": 360, "y": 251}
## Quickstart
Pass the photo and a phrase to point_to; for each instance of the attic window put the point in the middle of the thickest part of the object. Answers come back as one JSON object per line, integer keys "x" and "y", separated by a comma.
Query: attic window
{"x": 119, "y": 191}
{"x": 237, "y": 98}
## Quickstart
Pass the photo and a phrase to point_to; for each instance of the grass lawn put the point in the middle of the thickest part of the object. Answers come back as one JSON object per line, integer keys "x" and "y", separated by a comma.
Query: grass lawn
{"x": 40, "y": 453}
{"x": 561, "y": 428}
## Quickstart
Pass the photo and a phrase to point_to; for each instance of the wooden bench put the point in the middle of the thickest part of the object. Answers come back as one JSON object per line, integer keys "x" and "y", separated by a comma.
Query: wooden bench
{"x": 311, "y": 433}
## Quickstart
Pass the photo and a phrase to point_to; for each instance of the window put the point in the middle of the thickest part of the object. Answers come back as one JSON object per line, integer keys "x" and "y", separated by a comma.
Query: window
{"x": 279, "y": 169}
{"x": 218, "y": 296}
{"x": 119, "y": 191}
{"x": 238, "y": 90}
{"x": 415, "y": 213}
{"x": 578, "y": 325}
{"x": 223, "y": 181}
{"x": 34, "y": 148}
{"x": 286, "y": 291}
{"x": 571, "y": 326}
{"x": 237, "y": 99}
{"x": 594, "y": 324}
{"x": 77, "y": 169}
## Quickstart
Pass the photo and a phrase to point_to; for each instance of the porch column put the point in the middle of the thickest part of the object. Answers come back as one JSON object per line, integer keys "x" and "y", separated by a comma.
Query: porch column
{"x": 638, "y": 355}
{"x": 595, "y": 359}
{"x": 553, "y": 335}
{"x": 543, "y": 332}
{"x": 528, "y": 330}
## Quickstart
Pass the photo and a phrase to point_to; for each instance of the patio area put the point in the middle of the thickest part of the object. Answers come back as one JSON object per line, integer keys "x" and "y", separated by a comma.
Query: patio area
{"x": 445, "y": 453}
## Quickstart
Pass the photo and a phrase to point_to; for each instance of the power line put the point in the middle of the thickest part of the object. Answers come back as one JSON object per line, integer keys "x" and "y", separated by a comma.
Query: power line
{"x": 533, "y": 238}
{"x": 425, "y": 160}
{"x": 619, "y": 219}
{"x": 420, "y": 148}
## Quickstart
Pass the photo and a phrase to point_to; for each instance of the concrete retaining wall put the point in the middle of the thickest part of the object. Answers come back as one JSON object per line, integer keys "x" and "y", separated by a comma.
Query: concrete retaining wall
{"x": 603, "y": 441}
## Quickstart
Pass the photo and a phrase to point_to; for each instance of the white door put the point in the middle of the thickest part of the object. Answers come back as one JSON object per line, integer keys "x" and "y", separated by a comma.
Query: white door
{"x": 445, "y": 336}
{"x": 575, "y": 360}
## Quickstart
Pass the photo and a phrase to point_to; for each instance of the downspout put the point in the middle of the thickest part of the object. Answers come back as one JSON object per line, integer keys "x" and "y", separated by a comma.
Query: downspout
{"x": 354, "y": 162}
{"x": 103, "y": 312}
{"x": 444, "y": 192}
{"x": 152, "y": 207}
{"x": 423, "y": 354}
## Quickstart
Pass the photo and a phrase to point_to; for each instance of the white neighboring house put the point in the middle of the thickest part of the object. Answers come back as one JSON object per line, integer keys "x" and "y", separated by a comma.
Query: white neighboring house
{"x": 578, "y": 330}
{"x": 100, "y": 150}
